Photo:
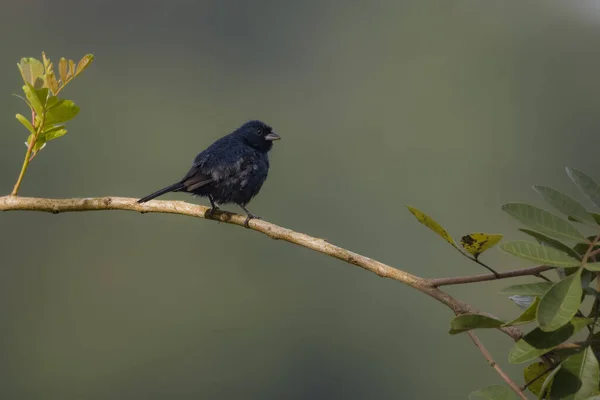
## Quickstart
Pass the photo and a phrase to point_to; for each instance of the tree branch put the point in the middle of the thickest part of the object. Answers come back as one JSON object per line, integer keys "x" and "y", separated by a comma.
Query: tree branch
{"x": 495, "y": 365}
{"x": 427, "y": 286}
{"x": 459, "y": 280}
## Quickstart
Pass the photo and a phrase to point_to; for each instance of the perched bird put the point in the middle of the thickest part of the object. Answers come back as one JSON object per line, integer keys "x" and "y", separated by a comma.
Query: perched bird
{"x": 231, "y": 170}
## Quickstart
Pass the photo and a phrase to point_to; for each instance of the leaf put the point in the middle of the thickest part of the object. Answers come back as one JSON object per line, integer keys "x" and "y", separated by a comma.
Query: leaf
{"x": 538, "y": 253}
{"x": 477, "y": 243}
{"x": 547, "y": 385}
{"x": 466, "y": 322}
{"x": 25, "y": 123}
{"x": 35, "y": 98}
{"x": 46, "y": 61}
{"x": 32, "y": 71}
{"x": 533, "y": 371}
{"x": 586, "y": 184}
{"x": 565, "y": 204}
{"x": 544, "y": 221}
{"x": 538, "y": 342}
{"x": 62, "y": 69}
{"x": 495, "y": 392}
{"x": 579, "y": 375}
{"x": 71, "y": 73}
{"x": 61, "y": 112}
{"x": 559, "y": 304}
{"x": 84, "y": 63}
{"x": 528, "y": 289}
{"x": 53, "y": 133}
{"x": 431, "y": 224}
{"x": 527, "y": 316}
{"x": 547, "y": 241}
{"x": 51, "y": 82}
{"x": 592, "y": 266}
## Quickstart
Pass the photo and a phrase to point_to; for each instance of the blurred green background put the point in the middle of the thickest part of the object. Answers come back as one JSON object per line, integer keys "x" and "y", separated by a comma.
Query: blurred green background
{"x": 454, "y": 107}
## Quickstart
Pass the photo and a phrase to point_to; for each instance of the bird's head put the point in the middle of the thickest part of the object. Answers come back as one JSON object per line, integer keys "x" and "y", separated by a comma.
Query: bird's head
{"x": 257, "y": 135}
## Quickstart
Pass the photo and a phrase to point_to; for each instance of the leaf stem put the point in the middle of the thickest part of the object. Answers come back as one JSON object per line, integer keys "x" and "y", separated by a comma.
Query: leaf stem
{"x": 28, "y": 156}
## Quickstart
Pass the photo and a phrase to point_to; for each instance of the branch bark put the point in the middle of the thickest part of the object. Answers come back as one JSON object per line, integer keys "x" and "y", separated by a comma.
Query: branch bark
{"x": 427, "y": 286}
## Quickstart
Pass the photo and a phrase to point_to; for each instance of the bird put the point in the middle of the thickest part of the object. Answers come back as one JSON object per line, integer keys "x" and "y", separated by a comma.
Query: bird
{"x": 231, "y": 170}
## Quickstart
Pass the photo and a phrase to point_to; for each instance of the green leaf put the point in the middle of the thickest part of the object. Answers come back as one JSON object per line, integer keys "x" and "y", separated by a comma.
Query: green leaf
{"x": 548, "y": 241}
{"x": 32, "y": 71}
{"x": 25, "y": 123}
{"x": 544, "y": 221}
{"x": 495, "y": 392}
{"x": 431, "y": 224}
{"x": 466, "y": 322}
{"x": 578, "y": 377}
{"x": 538, "y": 342}
{"x": 477, "y": 243}
{"x": 547, "y": 385}
{"x": 36, "y": 98}
{"x": 61, "y": 111}
{"x": 528, "y": 289}
{"x": 527, "y": 316}
{"x": 53, "y": 133}
{"x": 586, "y": 184}
{"x": 542, "y": 254}
{"x": 560, "y": 303}
{"x": 565, "y": 204}
{"x": 592, "y": 266}
{"x": 533, "y": 371}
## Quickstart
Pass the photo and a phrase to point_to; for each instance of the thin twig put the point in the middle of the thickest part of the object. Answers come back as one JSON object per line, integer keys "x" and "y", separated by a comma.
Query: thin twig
{"x": 495, "y": 365}
{"x": 459, "y": 280}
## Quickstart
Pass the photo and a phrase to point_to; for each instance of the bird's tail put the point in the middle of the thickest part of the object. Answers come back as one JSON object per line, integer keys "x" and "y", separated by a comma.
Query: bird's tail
{"x": 171, "y": 188}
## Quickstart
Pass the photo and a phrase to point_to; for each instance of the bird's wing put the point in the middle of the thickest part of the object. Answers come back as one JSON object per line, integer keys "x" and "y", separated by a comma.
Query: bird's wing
{"x": 196, "y": 179}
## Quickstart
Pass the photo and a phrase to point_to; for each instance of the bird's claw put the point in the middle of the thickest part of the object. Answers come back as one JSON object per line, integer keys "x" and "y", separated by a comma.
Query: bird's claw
{"x": 248, "y": 218}
{"x": 211, "y": 212}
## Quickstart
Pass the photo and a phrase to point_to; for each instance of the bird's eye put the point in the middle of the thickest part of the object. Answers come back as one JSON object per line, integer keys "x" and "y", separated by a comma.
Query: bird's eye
{"x": 259, "y": 133}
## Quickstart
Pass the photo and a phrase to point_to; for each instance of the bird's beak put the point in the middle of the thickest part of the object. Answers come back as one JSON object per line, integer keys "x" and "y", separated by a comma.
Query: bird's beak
{"x": 272, "y": 136}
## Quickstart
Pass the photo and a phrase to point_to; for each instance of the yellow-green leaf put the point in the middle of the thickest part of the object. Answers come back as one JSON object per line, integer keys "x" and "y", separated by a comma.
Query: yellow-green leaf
{"x": 51, "y": 82}
{"x": 25, "y": 123}
{"x": 62, "y": 69}
{"x": 45, "y": 60}
{"x": 71, "y": 69}
{"x": 32, "y": 71}
{"x": 84, "y": 63}
{"x": 533, "y": 371}
{"x": 60, "y": 112}
{"x": 53, "y": 133}
{"x": 477, "y": 243}
{"x": 431, "y": 224}
{"x": 36, "y": 98}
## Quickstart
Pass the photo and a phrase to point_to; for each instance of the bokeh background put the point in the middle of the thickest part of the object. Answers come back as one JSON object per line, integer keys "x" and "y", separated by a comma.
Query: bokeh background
{"x": 454, "y": 107}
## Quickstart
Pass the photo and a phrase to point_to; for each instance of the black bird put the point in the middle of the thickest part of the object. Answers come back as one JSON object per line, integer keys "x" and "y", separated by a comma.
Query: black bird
{"x": 231, "y": 170}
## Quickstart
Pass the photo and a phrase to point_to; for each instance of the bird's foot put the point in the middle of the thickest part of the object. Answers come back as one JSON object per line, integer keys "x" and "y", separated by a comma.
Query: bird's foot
{"x": 211, "y": 212}
{"x": 248, "y": 218}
